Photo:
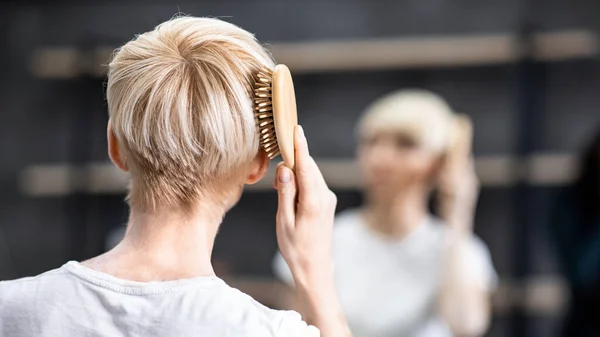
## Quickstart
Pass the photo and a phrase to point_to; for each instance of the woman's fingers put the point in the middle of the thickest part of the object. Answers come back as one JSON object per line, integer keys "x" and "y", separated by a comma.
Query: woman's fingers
{"x": 310, "y": 180}
{"x": 286, "y": 192}
{"x": 276, "y": 171}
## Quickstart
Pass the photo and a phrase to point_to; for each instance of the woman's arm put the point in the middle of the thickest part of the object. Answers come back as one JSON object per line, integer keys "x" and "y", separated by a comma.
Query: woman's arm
{"x": 318, "y": 303}
{"x": 464, "y": 299}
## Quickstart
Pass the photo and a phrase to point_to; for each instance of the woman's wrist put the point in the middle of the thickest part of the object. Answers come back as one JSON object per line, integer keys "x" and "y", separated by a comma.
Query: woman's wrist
{"x": 458, "y": 213}
{"x": 318, "y": 296}
{"x": 321, "y": 308}
{"x": 310, "y": 274}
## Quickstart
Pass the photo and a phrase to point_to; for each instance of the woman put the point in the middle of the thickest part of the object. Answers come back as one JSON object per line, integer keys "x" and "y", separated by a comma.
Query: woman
{"x": 182, "y": 125}
{"x": 575, "y": 228}
{"x": 399, "y": 270}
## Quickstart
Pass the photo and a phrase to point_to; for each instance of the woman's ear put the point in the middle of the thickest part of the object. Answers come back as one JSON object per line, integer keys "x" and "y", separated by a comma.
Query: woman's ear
{"x": 258, "y": 169}
{"x": 113, "y": 149}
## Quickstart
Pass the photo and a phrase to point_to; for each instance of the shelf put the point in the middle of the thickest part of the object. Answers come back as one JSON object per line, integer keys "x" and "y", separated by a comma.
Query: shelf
{"x": 357, "y": 55}
{"x": 536, "y": 295}
{"x": 104, "y": 178}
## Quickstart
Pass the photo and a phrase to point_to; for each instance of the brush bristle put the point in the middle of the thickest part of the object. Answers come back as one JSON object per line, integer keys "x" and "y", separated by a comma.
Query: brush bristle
{"x": 263, "y": 110}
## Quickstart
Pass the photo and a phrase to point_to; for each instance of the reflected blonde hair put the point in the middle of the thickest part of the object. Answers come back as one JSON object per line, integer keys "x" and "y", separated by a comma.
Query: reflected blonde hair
{"x": 421, "y": 115}
{"x": 180, "y": 103}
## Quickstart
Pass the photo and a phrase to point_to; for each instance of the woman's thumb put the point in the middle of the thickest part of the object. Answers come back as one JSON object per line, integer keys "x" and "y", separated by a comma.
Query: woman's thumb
{"x": 286, "y": 191}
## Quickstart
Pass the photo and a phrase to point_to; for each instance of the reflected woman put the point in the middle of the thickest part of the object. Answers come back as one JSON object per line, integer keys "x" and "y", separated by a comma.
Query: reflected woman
{"x": 399, "y": 270}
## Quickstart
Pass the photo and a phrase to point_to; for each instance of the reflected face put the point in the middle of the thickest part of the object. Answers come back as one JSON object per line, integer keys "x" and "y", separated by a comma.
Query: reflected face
{"x": 391, "y": 162}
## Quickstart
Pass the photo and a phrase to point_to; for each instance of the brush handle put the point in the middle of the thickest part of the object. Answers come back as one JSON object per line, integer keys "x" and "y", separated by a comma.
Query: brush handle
{"x": 285, "y": 114}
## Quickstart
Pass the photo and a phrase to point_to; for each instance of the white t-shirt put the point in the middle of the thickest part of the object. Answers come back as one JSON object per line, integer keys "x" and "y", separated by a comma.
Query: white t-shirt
{"x": 389, "y": 287}
{"x": 75, "y": 301}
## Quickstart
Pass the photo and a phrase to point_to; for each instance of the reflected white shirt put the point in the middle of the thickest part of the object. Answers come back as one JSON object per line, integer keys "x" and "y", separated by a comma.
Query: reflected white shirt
{"x": 389, "y": 287}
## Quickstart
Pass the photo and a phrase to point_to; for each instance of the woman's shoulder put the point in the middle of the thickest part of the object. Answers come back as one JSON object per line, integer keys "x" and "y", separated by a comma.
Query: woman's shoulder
{"x": 441, "y": 229}
{"x": 477, "y": 253}
{"x": 26, "y": 284}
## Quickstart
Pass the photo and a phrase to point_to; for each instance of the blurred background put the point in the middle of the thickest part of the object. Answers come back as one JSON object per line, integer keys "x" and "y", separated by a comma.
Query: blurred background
{"x": 526, "y": 72}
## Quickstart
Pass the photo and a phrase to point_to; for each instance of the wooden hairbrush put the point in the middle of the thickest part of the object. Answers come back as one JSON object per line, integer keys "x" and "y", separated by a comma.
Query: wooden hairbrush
{"x": 276, "y": 114}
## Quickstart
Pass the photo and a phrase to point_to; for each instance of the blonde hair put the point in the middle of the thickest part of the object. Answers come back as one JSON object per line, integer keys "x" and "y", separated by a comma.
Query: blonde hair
{"x": 421, "y": 115}
{"x": 180, "y": 103}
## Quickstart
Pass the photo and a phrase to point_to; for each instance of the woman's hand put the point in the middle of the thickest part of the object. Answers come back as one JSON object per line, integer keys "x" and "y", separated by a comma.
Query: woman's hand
{"x": 458, "y": 187}
{"x": 305, "y": 216}
{"x": 304, "y": 233}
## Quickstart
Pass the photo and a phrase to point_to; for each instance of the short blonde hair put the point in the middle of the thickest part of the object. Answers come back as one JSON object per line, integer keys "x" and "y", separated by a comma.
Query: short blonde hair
{"x": 421, "y": 115}
{"x": 181, "y": 105}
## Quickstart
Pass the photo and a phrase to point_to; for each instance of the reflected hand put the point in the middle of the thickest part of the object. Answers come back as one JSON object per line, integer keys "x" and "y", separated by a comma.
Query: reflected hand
{"x": 458, "y": 183}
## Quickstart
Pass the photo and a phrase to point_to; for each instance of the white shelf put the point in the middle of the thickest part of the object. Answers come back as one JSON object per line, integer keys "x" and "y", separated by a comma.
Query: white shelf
{"x": 367, "y": 54}
{"x": 104, "y": 178}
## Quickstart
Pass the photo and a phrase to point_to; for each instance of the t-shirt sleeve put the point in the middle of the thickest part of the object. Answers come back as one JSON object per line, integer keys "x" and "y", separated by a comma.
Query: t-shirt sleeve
{"x": 282, "y": 270}
{"x": 480, "y": 260}
{"x": 292, "y": 325}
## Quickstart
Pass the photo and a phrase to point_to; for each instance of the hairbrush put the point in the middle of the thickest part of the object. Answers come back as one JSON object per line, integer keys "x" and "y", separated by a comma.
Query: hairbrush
{"x": 275, "y": 111}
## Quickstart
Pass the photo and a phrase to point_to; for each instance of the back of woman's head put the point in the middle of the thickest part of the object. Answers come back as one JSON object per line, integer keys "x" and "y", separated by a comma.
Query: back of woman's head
{"x": 180, "y": 103}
